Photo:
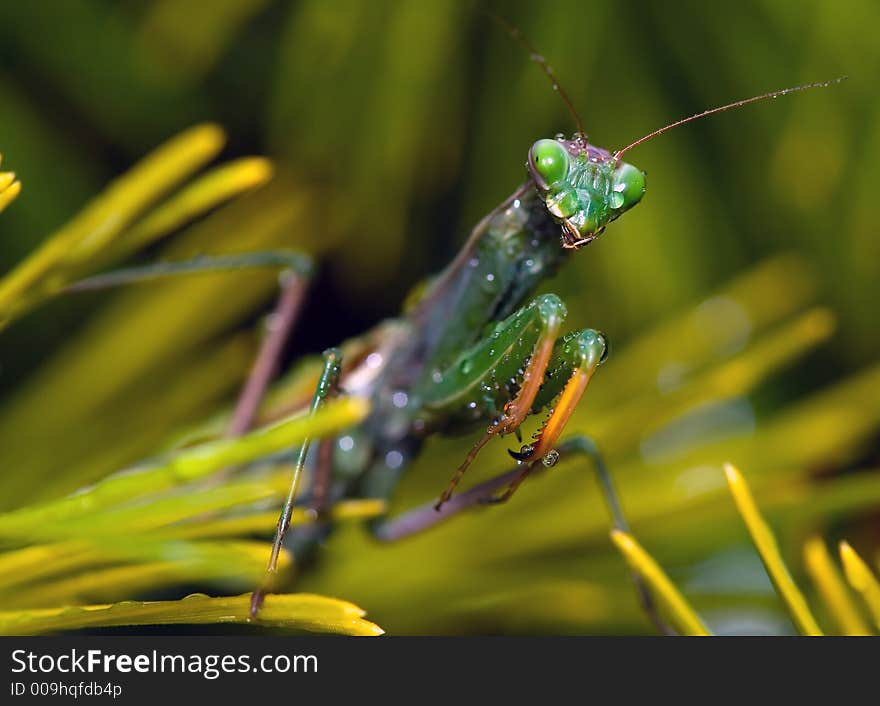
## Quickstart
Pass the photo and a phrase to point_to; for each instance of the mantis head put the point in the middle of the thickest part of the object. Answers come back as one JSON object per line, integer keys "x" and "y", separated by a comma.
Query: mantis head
{"x": 586, "y": 187}
{"x": 583, "y": 187}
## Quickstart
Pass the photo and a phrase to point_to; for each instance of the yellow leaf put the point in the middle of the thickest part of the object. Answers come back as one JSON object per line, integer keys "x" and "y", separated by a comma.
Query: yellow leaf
{"x": 298, "y": 611}
{"x": 105, "y": 217}
{"x": 769, "y": 551}
{"x": 833, "y": 590}
{"x": 205, "y": 193}
{"x": 46, "y": 520}
{"x": 681, "y": 613}
{"x": 6, "y": 178}
{"x": 862, "y": 579}
{"x": 8, "y": 195}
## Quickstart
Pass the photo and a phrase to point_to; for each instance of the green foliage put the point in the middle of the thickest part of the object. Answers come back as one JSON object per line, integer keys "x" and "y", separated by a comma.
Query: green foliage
{"x": 392, "y": 127}
{"x": 298, "y": 611}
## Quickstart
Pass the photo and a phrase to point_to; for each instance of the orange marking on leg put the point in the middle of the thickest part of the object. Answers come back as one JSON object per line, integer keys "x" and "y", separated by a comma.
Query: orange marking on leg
{"x": 571, "y": 395}
{"x": 519, "y": 407}
{"x": 516, "y": 410}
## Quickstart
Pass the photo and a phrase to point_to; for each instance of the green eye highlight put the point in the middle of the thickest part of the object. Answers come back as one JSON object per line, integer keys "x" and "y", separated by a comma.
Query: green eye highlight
{"x": 629, "y": 186}
{"x": 549, "y": 160}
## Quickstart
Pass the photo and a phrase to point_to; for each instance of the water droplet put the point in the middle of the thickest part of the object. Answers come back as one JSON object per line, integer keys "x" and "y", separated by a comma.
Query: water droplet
{"x": 346, "y": 443}
{"x": 394, "y": 459}
{"x": 272, "y": 322}
{"x": 615, "y": 200}
{"x": 466, "y": 366}
{"x": 490, "y": 277}
{"x": 399, "y": 399}
{"x": 516, "y": 203}
{"x": 551, "y": 458}
{"x": 473, "y": 262}
{"x": 437, "y": 376}
{"x": 374, "y": 360}
{"x": 472, "y": 405}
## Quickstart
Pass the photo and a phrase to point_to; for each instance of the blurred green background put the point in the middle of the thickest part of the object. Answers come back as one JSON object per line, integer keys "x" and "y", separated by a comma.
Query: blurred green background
{"x": 394, "y": 126}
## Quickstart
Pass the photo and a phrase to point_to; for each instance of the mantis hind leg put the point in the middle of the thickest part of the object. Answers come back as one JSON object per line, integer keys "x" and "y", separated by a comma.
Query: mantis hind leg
{"x": 327, "y": 387}
{"x": 423, "y": 518}
{"x": 265, "y": 365}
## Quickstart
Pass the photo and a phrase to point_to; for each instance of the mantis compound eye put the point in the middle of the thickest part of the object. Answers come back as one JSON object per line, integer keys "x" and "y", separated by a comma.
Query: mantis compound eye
{"x": 549, "y": 163}
{"x": 628, "y": 188}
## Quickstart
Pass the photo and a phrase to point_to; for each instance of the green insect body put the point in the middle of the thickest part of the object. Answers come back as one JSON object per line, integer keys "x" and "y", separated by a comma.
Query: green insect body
{"x": 483, "y": 380}
{"x": 510, "y": 253}
{"x": 476, "y": 359}
{"x": 471, "y": 351}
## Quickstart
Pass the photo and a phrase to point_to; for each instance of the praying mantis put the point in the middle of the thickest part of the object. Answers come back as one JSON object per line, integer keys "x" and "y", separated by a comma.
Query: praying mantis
{"x": 477, "y": 351}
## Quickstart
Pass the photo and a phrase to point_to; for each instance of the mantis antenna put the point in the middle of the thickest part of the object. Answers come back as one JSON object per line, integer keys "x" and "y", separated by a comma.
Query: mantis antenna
{"x": 518, "y": 36}
{"x": 736, "y": 104}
